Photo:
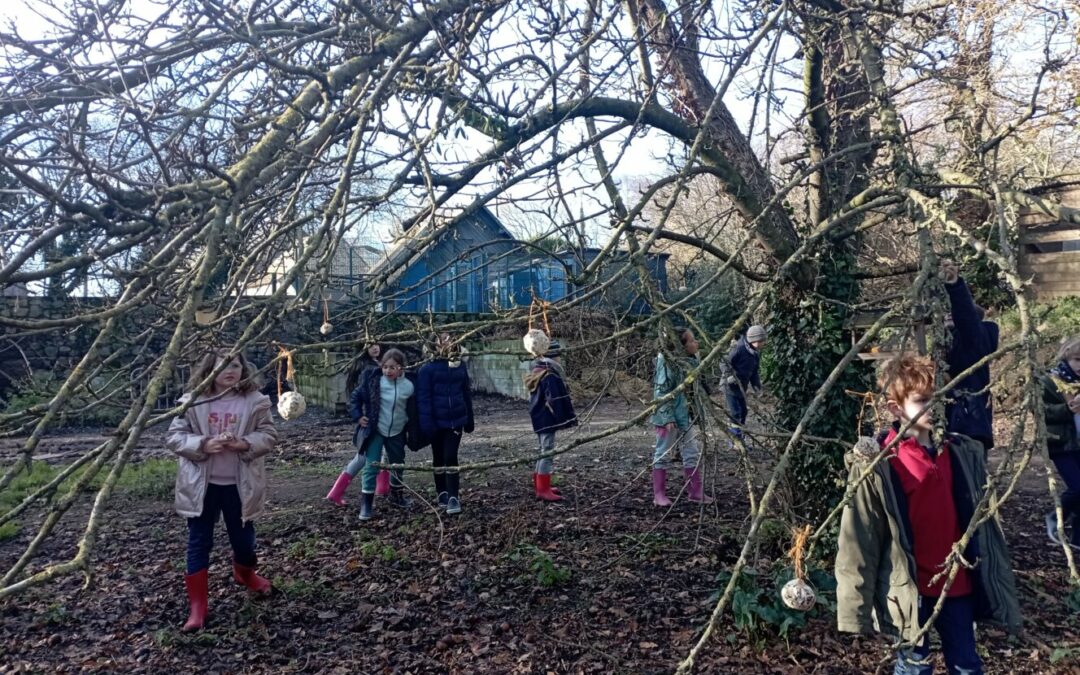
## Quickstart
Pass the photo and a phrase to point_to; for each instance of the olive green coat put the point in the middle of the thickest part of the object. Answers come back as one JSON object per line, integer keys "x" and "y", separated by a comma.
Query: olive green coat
{"x": 875, "y": 566}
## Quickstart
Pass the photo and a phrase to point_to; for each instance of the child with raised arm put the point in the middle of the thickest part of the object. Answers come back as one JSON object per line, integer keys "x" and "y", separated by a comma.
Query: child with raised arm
{"x": 745, "y": 360}
{"x": 969, "y": 408}
{"x": 221, "y": 441}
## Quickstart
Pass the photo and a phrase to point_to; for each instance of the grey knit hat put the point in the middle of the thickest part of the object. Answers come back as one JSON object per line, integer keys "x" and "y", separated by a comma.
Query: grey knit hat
{"x": 755, "y": 334}
{"x": 554, "y": 349}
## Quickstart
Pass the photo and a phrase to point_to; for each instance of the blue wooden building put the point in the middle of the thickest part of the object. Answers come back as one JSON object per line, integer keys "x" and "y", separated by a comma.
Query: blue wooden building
{"x": 477, "y": 267}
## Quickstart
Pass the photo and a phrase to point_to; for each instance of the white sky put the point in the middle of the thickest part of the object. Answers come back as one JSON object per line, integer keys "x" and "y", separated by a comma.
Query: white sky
{"x": 643, "y": 158}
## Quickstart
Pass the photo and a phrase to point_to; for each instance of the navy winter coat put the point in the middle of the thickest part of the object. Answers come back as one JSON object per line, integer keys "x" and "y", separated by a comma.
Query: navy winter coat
{"x": 444, "y": 397}
{"x": 969, "y": 410}
{"x": 746, "y": 362}
{"x": 366, "y": 402}
{"x": 550, "y": 406}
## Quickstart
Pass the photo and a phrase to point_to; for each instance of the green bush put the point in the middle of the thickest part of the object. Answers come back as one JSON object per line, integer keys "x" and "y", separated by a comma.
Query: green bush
{"x": 758, "y": 610}
{"x": 32, "y": 391}
{"x": 1060, "y": 318}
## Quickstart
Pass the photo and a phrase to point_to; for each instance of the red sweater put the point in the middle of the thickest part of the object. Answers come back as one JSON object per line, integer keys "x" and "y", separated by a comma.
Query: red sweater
{"x": 928, "y": 483}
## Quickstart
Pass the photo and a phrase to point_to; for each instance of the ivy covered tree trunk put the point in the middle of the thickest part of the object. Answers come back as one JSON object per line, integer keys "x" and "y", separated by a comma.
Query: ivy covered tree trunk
{"x": 807, "y": 326}
{"x": 807, "y": 337}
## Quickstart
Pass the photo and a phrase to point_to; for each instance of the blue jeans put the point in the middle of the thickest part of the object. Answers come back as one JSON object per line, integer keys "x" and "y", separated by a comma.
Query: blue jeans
{"x": 220, "y": 500}
{"x": 736, "y": 403}
{"x": 1068, "y": 467}
{"x": 377, "y": 444}
{"x": 955, "y": 625}
{"x": 545, "y": 466}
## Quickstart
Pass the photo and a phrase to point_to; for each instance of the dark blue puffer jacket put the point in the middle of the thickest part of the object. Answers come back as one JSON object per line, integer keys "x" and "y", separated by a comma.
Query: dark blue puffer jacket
{"x": 550, "y": 406}
{"x": 746, "y": 362}
{"x": 969, "y": 409}
{"x": 444, "y": 397}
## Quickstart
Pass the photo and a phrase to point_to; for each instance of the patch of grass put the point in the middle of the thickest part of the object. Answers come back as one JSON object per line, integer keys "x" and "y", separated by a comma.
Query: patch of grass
{"x": 540, "y": 566}
{"x": 22, "y": 486}
{"x": 152, "y": 478}
{"x": 304, "y": 590}
{"x": 8, "y": 530}
{"x": 650, "y": 544}
{"x": 303, "y": 549}
{"x": 415, "y": 526}
{"x": 329, "y": 470}
{"x": 26, "y": 482}
{"x": 1072, "y": 600}
{"x": 166, "y": 637}
{"x": 55, "y": 615}
{"x": 149, "y": 479}
{"x": 376, "y": 549}
{"x": 1064, "y": 655}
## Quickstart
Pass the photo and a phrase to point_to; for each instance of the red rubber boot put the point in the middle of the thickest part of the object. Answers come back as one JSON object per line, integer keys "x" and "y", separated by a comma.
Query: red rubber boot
{"x": 246, "y": 576}
{"x": 197, "y": 595}
{"x": 543, "y": 488}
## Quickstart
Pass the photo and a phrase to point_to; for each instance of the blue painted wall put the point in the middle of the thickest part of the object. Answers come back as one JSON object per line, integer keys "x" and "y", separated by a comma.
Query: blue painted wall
{"x": 478, "y": 267}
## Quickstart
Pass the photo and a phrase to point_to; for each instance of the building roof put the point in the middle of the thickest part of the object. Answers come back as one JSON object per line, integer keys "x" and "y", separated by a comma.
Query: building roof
{"x": 408, "y": 245}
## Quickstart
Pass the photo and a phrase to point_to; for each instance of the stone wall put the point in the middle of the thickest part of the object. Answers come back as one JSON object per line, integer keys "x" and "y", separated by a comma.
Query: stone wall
{"x": 499, "y": 373}
{"x": 319, "y": 376}
{"x": 321, "y": 379}
{"x": 54, "y": 353}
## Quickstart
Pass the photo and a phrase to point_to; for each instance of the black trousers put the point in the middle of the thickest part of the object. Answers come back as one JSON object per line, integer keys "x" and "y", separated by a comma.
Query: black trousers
{"x": 444, "y": 452}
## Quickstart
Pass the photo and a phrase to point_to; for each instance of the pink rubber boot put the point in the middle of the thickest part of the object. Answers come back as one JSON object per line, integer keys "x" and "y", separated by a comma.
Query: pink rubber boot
{"x": 337, "y": 493}
{"x": 695, "y": 492}
{"x": 659, "y": 487}
{"x": 382, "y": 483}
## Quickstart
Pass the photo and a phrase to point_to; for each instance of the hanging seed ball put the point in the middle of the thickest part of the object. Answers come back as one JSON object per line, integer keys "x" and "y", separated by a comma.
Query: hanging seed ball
{"x": 291, "y": 405}
{"x": 797, "y": 594}
{"x": 866, "y": 448}
{"x": 536, "y": 342}
{"x": 326, "y": 328}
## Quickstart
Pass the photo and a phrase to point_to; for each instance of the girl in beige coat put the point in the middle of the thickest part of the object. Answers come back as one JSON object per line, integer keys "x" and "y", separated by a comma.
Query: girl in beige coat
{"x": 220, "y": 442}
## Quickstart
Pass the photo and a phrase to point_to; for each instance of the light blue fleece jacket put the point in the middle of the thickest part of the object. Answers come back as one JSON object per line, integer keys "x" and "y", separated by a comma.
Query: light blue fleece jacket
{"x": 393, "y": 396}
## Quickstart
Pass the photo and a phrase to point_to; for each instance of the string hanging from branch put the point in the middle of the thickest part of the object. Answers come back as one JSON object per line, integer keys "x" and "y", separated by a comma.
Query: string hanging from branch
{"x": 291, "y": 404}
{"x": 798, "y": 593}
{"x": 326, "y": 328}
{"x": 537, "y": 341}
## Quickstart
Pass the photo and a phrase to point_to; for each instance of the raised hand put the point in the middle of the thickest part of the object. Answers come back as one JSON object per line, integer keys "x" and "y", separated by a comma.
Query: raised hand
{"x": 950, "y": 272}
